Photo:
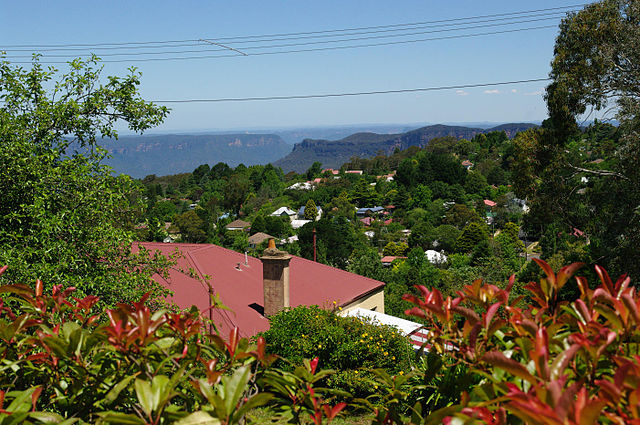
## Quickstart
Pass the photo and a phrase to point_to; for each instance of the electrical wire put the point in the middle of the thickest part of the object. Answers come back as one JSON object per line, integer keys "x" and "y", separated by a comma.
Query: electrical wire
{"x": 348, "y": 94}
{"x": 274, "y": 46}
{"x": 317, "y": 49}
{"x": 197, "y": 43}
{"x": 43, "y": 47}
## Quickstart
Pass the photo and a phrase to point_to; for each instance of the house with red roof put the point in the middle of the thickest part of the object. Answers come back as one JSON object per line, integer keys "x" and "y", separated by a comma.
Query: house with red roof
{"x": 388, "y": 259}
{"x": 255, "y": 288}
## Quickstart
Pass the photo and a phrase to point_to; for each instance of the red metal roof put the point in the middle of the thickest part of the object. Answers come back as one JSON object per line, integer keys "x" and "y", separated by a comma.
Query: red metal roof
{"x": 239, "y": 285}
{"x": 367, "y": 221}
{"x": 390, "y": 258}
{"x": 489, "y": 203}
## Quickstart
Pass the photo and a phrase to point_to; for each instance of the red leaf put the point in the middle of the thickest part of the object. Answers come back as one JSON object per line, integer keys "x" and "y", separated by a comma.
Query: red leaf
{"x": 473, "y": 335}
{"x": 468, "y": 314}
{"x": 34, "y": 398}
{"x": 551, "y": 277}
{"x": 491, "y": 311}
{"x": 565, "y": 274}
{"x": 605, "y": 279}
{"x": 233, "y": 341}
{"x": 313, "y": 364}
{"x": 512, "y": 280}
{"x": 2, "y": 270}
{"x": 498, "y": 359}
{"x": 336, "y": 409}
{"x": 415, "y": 311}
{"x": 631, "y": 306}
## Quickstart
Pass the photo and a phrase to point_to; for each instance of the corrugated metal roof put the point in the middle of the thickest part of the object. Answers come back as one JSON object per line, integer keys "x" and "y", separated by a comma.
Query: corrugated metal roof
{"x": 239, "y": 284}
{"x": 414, "y": 331}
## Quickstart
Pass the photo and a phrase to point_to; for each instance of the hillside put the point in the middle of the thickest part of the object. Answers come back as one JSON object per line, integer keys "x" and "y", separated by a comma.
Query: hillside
{"x": 139, "y": 156}
{"x": 334, "y": 153}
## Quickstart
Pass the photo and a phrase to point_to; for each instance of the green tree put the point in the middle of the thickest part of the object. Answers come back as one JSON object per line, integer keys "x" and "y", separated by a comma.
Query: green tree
{"x": 314, "y": 170}
{"x": 341, "y": 207}
{"x": 594, "y": 68}
{"x": 192, "y": 227}
{"x": 62, "y": 212}
{"x": 473, "y": 234}
{"x": 335, "y": 241}
{"x": 310, "y": 210}
{"x": 366, "y": 262}
{"x": 259, "y": 225}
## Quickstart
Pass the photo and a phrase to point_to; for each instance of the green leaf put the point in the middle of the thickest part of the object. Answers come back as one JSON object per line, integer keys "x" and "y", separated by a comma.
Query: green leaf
{"x": 113, "y": 394}
{"x": 121, "y": 418}
{"x": 48, "y": 417}
{"x": 234, "y": 387}
{"x": 145, "y": 396}
{"x": 198, "y": 418}
{"x": 256, "y": 401}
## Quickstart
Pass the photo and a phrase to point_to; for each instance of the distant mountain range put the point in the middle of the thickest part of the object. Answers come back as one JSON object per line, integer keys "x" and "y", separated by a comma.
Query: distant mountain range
{"x": 334, "y": 153}
{"x": 139, "y": 156}
{"x": 162, "y": 154}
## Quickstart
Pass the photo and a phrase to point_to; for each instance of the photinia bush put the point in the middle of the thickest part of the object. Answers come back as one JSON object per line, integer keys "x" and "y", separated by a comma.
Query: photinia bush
{"x": 552, "y": 362}
{"x": 61, "y": 363}
{"x": 491, "y": 358}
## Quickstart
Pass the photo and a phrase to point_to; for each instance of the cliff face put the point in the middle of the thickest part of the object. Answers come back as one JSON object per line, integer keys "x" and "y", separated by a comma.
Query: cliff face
{"x": 334, "y": 153}
{"x": 139, "y": 156}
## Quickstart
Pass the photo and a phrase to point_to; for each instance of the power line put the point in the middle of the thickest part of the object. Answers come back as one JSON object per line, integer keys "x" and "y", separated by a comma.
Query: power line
{"x": 275, "y": 46}
{"x": 43, "y": 47}
{"x": 364, "y": 93}
{"x": 317, "y": 49}
{"x": 196, "y": 43}
{"x": 573, "y": 7}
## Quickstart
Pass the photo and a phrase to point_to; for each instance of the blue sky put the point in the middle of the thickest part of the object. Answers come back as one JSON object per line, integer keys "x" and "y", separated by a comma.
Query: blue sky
{"x": 481, "y": 59}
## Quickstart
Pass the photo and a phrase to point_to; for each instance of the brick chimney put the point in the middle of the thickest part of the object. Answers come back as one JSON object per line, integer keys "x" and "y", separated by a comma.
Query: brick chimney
{"x": 275, "y": 279}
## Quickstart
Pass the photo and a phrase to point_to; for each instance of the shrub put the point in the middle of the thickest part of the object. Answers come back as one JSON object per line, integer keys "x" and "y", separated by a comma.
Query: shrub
{"x": 549, "y": 362}
{"x": 349, "y": 345}
{"x": 63, "y": 364}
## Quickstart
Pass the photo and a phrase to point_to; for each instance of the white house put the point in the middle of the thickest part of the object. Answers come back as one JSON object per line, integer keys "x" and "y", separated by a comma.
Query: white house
{"x": 435, "y": 257}
{"x": 284, "y": 212}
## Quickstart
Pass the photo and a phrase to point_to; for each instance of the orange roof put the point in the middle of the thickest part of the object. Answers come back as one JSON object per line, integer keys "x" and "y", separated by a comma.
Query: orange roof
{"x": 239, "y": 286}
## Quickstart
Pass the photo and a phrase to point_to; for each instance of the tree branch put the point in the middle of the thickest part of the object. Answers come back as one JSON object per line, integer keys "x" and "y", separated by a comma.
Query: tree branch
{"x": 600, "y": 172}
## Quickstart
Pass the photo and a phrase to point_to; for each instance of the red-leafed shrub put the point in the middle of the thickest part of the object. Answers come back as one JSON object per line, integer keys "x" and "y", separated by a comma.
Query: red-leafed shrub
{"x": 61, "y": 363}
{"x": 551, "y": 362}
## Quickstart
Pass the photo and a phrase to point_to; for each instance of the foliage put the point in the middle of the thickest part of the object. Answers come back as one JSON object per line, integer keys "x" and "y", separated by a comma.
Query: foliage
{"x": 549, "y": 362}
{"x": 366, "y": 262}
{"x": 310, "y": 210}
{"x": 63, "y": 217}
{"x": 335, "y": 240}
{"x": 395, "y": 249}
{"x": 63, "y": 364}
{"x": 350, "y": 345}
{"x": 191, "y": 226}
{"x": 473, "y": 235}
{"x": 587, "y": 179}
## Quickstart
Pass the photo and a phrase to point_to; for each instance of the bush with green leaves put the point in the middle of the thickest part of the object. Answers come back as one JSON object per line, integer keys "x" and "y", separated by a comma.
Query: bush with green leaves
{"x": 64, "y": 362}
{"x": 349, "y": 345}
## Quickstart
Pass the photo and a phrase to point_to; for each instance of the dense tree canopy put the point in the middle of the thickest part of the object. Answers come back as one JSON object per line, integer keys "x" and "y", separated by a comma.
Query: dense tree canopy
{"x": 62, "y": 212}
{"x": 587, "y": 182}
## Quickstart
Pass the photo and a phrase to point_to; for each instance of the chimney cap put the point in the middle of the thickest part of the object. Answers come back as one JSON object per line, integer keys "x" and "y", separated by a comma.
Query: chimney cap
{"x": 273, "y": 253}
